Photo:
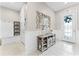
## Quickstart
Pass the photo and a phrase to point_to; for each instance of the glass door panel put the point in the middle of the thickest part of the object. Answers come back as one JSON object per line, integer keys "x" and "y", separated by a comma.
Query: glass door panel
{"x": 68, "y": 27}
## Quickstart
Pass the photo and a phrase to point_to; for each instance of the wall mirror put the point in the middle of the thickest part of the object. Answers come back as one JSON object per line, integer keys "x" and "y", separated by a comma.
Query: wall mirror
{"x": 43, "y": 21}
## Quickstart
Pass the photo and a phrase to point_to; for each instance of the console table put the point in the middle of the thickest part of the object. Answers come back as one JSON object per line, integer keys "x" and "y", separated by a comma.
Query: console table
{"x": 45, "y": 41}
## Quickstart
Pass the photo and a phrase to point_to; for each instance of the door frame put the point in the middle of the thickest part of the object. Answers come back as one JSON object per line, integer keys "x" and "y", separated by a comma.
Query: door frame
{"x": 73, "y": 12}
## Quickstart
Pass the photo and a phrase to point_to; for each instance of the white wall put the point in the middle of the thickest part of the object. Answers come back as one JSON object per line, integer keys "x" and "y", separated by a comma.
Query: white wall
{"x": 31, "y": 31}
{"x": 31, "y": 14}
{"x": 0, "y": 29}
{"x": 77, "y": 24}
{"x": 8, "y": 16}
{"x": 0, "y": 23}
{"x": 23, "y": 22}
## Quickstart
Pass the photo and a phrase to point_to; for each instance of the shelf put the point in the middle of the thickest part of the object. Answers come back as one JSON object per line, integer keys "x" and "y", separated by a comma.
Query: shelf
{"x": 16, "y": 28}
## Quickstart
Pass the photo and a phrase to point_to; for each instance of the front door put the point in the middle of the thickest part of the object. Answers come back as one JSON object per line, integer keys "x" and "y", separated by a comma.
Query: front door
{"x": 70, "y": 28}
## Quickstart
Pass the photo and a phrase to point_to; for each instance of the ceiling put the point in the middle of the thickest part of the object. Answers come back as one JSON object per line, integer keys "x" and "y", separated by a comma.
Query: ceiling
{"x": 56, "y": 6}
{"x": 12, "y": 5}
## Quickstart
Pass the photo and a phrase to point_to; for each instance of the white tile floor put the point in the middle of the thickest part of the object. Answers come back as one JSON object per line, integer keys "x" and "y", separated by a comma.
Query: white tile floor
{"x": 13, "y": 49}
{"x": 61, "y": 48}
